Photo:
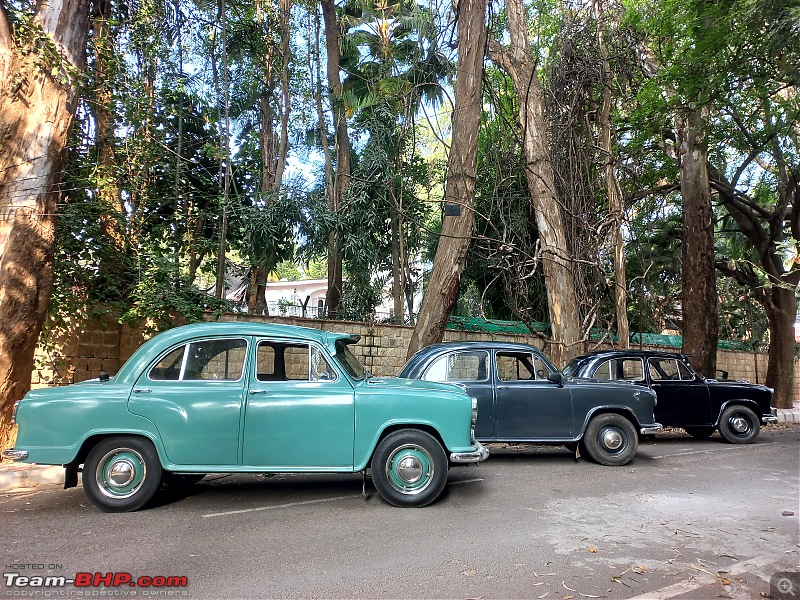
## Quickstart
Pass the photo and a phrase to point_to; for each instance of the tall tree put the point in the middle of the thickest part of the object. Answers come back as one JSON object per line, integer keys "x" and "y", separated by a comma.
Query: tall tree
{"x": 341, "y": 178}
{"x": 615, "y": 203}
{"x": 518, "y": 61}
{"x": 40, "y": 65}
{"x": 699, "y": 300}
{"x": 457, "y": 229}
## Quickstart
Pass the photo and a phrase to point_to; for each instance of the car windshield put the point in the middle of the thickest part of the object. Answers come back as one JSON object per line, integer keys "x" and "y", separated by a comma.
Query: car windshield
{"x": 572, "y": 368}
{"x": 349, "y": 361}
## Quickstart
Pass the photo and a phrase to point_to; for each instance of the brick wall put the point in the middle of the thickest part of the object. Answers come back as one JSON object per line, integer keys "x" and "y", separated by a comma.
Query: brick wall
{"x": 77, "y": 354}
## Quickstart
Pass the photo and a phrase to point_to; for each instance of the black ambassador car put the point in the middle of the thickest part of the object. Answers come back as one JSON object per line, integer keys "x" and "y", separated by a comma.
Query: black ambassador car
{"x": 685, "y": 399}
{"x": 523, "y": 398}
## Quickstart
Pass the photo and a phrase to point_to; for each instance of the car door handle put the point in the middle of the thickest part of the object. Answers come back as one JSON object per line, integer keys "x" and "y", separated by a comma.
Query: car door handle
{"x": 258, "y": 391}
{"x": 142, "y": 390}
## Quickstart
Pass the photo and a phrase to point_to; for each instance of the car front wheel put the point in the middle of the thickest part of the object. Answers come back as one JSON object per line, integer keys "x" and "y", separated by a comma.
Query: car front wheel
{"x": 611, "y": 440}
{"x": 739, "y": 425}
{"x": 121, "y": 473}
{"x": 409, "y": 468}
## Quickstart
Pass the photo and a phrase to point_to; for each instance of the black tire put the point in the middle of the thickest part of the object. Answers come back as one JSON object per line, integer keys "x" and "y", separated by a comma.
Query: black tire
{"x": 739, "y": 425}
{"x": 699, "y": 433}
{"x": 121, "y": 474}
{"x": 409, "y": 468}
{"x": 611, "y": 440}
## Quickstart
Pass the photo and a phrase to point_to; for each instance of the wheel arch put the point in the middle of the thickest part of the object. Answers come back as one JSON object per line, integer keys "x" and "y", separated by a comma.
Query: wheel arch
{"x": 605, "y": 410}
{"x": 391, "y": 428}
{"x": 746, "y": 402}
{"x": 71, "y": 474}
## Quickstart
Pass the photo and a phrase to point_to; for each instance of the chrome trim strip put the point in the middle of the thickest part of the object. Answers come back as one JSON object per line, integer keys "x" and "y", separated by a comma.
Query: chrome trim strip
{"x": 654, "y": 428}
{"x": 11, "y": 454}
{"x": 769, "y": 419}
{"x": 476, "y": 456}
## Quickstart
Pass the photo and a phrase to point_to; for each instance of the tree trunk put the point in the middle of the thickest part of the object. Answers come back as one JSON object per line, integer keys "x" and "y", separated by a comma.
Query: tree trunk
{"x": 397, "y": 267}
{"x": 699, "y": 301}
{"x": 342, "y": 180}
{"x": 36, "y": 112}
{"x": 615, "y": 205}
{"x": 462, "y": 168}
{"x": 518, "y": 62}
{"x": 781, "y": 312}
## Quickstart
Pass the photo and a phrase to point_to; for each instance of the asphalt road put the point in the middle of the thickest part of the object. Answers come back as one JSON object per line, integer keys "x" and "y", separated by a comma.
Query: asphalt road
{"x": 686, "y": 519}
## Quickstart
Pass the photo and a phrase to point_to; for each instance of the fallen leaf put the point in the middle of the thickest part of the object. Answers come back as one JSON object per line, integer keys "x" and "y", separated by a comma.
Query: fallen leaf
{"x": 469, "y": 573}
{"x": 568, "y": 588}
{"x": 787, "y": 513}
{"x": 638, "y": 569}
{"x": 592, "y": 549}
{"x": 538, "y": 583}
{"x": 543, "y": 595}
{"x": 725, "y": 581}
{"x": 568, "y": 597}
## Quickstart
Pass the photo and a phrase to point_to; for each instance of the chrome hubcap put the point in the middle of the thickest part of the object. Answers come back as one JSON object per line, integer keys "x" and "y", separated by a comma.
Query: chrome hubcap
{"x": 410, "y": 469}
{"x": 121, "y": 473}
{"x": 612, "y": 439}
{"x": 739, "y": 424}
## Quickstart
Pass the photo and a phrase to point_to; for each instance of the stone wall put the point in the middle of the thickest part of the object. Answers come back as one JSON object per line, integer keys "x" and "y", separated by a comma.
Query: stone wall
{"x": 78, "y": 354}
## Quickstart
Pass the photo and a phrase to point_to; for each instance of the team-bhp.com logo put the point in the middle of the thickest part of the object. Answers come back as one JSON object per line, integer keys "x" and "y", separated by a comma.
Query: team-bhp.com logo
{"x": 95, "y": 580}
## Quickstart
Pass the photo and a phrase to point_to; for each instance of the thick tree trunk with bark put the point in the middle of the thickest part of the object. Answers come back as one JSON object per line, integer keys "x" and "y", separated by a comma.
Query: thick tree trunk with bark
{"x": 699, "y": 300}
{"x": 36, "y": 112}
{"x": 462, "y": 167}
{"x": 342, "y": 178}
{"x": 615, "y": 205}
{"x": 517, "y": 61}
{"x": 781, "y": 309}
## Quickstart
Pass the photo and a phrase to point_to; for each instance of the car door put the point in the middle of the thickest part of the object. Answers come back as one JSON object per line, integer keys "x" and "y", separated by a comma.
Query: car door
{"x": 682, "y": 395}
{"x": 300, "y": 410}
{"x": 528, "y": 406}
{"x": 194, "y": 394}
{"x": 470, "y": 369}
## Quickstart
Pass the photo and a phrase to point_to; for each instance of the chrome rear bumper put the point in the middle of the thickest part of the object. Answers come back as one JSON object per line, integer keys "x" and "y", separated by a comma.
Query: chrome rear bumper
{"x": 11, "y": 454}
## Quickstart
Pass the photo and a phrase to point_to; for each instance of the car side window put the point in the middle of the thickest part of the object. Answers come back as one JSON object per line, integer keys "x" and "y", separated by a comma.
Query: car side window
{"x": 620, "y": 369}
{"x": 664, "y": 369}
{"x": 520, "y": 366}
{"x": 603, "y": 371}
{"x": 459, "y": 366}
{"x": 212, "y": 360}
{"x": 278, "y": 361}
{"x": 219, "y": 360}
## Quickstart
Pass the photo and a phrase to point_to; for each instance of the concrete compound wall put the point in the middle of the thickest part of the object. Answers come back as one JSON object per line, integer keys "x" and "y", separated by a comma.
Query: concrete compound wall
{"x": 80, "y": 353}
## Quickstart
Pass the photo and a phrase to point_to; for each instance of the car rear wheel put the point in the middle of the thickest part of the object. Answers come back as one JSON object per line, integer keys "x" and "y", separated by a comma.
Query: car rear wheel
{"x": 611, "y": 440}
{"x": 121, "y": 473}
{"x": 409, "y": 468}
{"x": 739, "y": 425}
{"x": 699, "y": 433}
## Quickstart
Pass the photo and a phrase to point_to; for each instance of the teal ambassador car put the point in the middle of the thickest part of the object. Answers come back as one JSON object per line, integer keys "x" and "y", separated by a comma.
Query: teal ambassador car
{"x": 247, "y": 398}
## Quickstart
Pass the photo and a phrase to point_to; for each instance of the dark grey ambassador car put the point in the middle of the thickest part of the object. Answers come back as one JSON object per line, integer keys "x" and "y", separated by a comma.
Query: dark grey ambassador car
{"x": 685, "y": 398}
{"x": 523, "y": 398}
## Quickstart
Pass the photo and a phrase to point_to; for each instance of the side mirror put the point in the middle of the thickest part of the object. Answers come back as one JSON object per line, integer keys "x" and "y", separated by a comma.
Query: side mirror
{"x": 556, "y": 377}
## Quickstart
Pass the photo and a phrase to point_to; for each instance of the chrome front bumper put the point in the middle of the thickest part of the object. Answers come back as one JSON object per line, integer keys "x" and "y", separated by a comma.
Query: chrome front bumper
{"x": 11, "y": 454}
{"x": 772, "y": 418}
{"x": 650, "y": 429}
{"x": 476, "y": 456}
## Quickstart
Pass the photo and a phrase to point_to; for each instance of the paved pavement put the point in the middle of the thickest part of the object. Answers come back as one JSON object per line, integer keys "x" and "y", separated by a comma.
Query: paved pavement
{"x": 23, "y": 476}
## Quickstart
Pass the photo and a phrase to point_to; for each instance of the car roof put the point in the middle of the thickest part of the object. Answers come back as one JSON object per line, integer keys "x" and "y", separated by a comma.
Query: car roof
{"x": 184, "y": 333}
{"x": 615, "y": 353}
{"x": 423, "y": 356}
